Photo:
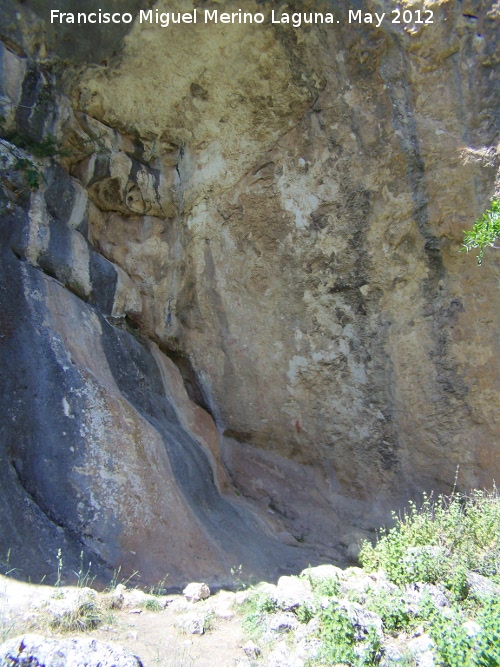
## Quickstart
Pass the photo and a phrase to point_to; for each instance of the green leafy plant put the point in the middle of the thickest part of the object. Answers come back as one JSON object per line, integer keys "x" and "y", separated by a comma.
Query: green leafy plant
{"x": 487, "y": 649}
{"x": 304, "y": 613}
{"x": 337, "y": 635}
{"x": 339, "y": 643}
{"x": 391, "y": 608}
{"x": 256, "y": 609}
{"x": 328, "y": 587}
{"x": 49, "y": 146}
{"x": 453, "y": 644}
{"x": 485, "y": 231}
{"x": 440, "y": 541}
{"x": 456, "y": 647}
{"x": 30, "y": 171}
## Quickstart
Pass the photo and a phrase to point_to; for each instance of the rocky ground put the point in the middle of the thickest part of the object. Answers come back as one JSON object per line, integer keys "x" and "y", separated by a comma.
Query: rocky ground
{"x": 283, "y": 625}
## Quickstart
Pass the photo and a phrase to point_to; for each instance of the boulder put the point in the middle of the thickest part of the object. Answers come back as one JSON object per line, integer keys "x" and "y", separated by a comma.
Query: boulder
{"x": 362, "y": 620}
{"x": 282, "y": 622}
{"x": 322, "y": 572}
{"x": 251, "y": 649}
{"x": 415, "y": 593}
{"x": 193, "y": 623}
{"x": 37, "y": 651}
{"x": 73, "y": 609}
{"x": 422, "y": 649}
{"x": 195, "y": 592}
{"x": 222, "y": 604}
{"x": 282, "y": 656}
{"x": 481, "y": 587}
{"x": 292, "y": 592}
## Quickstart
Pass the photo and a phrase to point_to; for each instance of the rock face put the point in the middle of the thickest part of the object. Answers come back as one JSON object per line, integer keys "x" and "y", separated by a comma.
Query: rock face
{"x": 39, "y": 651}
{"x": 278, "y": 210}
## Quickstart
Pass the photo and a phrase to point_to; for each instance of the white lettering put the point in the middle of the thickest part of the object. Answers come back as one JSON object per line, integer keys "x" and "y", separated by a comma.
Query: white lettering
{"x": 210, "y": 17}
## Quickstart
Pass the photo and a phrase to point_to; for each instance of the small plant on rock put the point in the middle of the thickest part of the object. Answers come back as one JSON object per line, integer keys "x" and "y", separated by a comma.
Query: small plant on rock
{"x": 485, "y": 231}
{"x": 152, "y": 604}
{"x": 81, "y": 615}
{"x": 328, "y": 587}
{"x": 337, "y": 635}
{"x": 256, "y": 609}
{"x": 391, "y": 608}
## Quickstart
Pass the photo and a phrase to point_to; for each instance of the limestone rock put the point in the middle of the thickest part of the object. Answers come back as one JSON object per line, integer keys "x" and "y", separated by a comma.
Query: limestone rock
{"x": 415, "y": 593}
{"x": 322, "y": 572}
{"x": 251, "y": 649}
{"x": 37, "y": 651}
{"x": 286, "y": 229}
{"x": 73, "y": 610}
{"x": 362, "y": 620}
{"x": 422, "y": 649}
{"x": 291, "y": 592}
{"x": 195, "y": 592}
{"x": 481, "y": 587}
{"x": 391, "y": 655}
{"x": 222, "y": 604}
{"x": 193, "y": 623}
{"x": 282, "y": 656}
{"x": 282, "y": 622}
{"x": 472, "y": 628}
{"x": 116, "y": 598}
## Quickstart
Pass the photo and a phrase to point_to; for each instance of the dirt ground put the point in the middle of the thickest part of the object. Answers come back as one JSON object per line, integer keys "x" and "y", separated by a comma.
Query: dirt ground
{"x": 154, "y": 639}
{"x": 150, "y": 635}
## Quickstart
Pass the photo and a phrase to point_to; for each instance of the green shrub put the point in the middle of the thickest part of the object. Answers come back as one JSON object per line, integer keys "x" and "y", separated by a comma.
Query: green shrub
{"x": 440, "y": 541}
{"x": 487, "y": 650}
{"x": 329, "y": 587}
{"x": 339, "y": 645}
{"x": 304, "y": 613}
{"x": 453, "y": 645}
{"x": 485, "y": 231}
{"x": 391, "y": 608}
{"x": 337, "y": 635}
{"x": 256, "y": 609}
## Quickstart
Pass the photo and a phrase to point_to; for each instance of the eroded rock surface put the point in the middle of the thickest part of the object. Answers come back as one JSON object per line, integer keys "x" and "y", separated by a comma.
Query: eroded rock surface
{"x": 279, "y": 211}
{"x": 38, "y": 651}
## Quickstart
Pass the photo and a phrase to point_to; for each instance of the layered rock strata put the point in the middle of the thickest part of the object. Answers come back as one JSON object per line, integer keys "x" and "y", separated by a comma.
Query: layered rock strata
{"x": 279, "y": 211}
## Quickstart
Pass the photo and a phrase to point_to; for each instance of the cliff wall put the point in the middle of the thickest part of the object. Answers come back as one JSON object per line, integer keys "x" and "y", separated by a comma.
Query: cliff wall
{"x": 279, "y": 211}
